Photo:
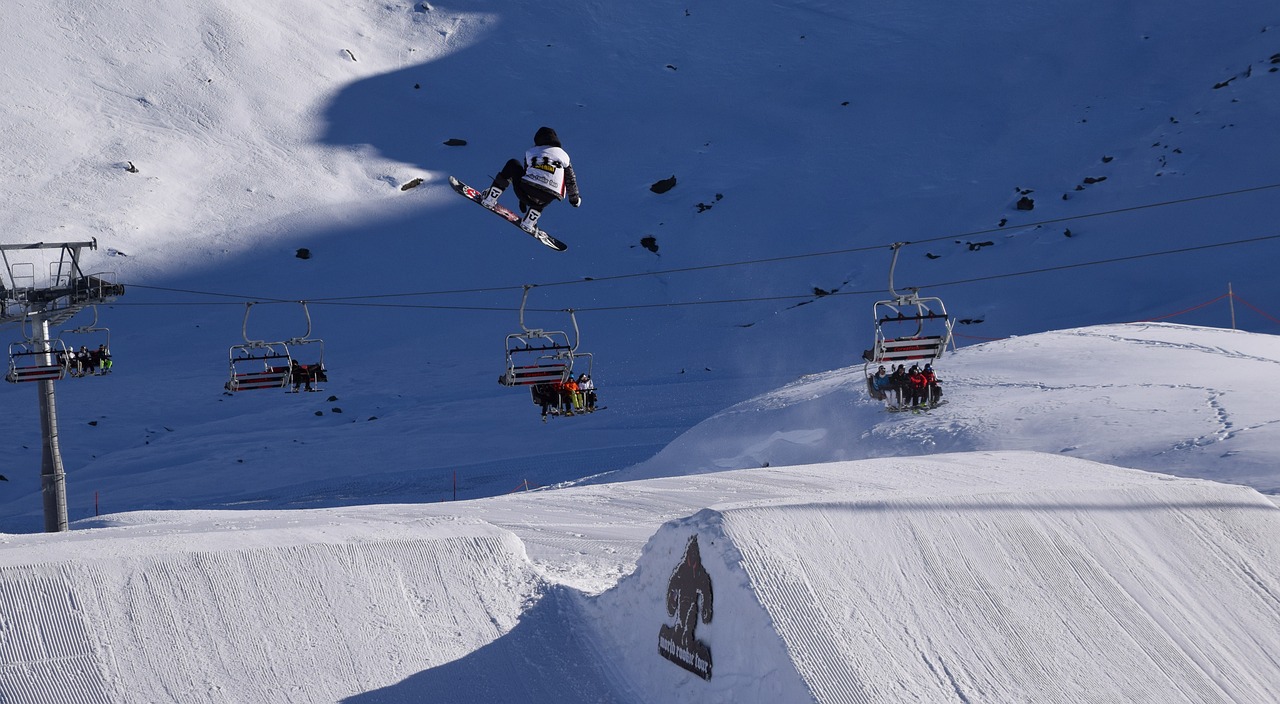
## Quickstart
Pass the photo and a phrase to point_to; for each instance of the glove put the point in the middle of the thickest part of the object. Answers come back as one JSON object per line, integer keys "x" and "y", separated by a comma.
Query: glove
{"x": 575, "y": 200}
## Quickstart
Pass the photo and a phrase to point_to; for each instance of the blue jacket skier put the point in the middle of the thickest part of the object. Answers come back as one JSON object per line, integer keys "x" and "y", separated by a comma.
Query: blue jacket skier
{"x": 544, "y": 177}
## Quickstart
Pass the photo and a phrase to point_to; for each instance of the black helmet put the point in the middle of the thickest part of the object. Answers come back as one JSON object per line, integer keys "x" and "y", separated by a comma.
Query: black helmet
{"x": 546, "y": 137}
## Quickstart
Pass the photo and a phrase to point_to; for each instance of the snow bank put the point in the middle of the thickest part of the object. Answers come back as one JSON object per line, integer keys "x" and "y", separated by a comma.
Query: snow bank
{"x": 970, "y": 577}
{"x": 1119, "y": 394}
{"x": 287, "y": 616}
{"x": 1158, "y": 591}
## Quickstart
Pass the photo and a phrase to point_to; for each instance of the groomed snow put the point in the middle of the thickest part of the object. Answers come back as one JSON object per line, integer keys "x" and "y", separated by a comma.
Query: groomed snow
{"x": 980, "y": 576}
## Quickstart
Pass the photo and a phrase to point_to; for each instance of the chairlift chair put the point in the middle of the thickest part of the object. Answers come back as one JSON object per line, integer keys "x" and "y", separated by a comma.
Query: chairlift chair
{"x": 100, "y": 339}
{"x": 37, "y": 361}
{"x": 536, "y": 356}
{"x": 909, "y": 329}
{"x": 543, "y": 360}
{"x": 308, "y": 374}
{"x": 259, "y": 364}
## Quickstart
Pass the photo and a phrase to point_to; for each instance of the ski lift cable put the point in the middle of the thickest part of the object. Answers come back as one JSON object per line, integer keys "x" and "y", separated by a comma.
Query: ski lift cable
{"x": 755, "y": 299}
{"x": 895, "y": 245}
{"x": 958, "y": 282}
{"x": 1104, "y": 213}
{"x": 263, "y": 299}
{"x": 705, "y": 267}
{"x": 1112, "y": 260}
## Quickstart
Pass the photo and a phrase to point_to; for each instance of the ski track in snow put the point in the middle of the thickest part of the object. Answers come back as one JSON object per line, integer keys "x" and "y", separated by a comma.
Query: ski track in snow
{"x": 1215, "y": 352}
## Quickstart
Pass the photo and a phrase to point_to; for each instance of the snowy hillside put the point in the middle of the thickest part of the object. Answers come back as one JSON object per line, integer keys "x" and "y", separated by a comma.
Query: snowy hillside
{"x": 1086, "y": 518}
{"x": 259, "y": 130}
{"x": 1165, "y": 398}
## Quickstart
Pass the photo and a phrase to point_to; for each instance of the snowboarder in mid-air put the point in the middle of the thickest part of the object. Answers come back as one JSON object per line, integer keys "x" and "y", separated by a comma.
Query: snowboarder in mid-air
{"x": 544, "y": 177}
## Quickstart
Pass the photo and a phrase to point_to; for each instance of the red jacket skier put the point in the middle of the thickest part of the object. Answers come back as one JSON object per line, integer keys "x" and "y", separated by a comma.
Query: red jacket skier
{"x": 918, "y": 384}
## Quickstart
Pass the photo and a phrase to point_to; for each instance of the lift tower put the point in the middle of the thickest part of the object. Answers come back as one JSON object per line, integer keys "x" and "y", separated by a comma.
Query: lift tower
{"x": 36, "y": 308}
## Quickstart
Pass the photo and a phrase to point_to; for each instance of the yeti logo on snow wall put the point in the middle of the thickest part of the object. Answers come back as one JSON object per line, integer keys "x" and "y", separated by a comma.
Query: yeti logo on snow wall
{"x": 688, "y": 598}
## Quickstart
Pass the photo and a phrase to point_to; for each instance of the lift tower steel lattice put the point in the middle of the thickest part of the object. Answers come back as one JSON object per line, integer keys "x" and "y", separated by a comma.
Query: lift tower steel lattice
{"x": 35, "y": 309}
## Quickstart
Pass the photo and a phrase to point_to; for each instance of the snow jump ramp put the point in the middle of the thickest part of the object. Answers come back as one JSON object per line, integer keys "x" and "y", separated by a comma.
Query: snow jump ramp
{"x": 915, "y": 579}
{"x": 1162, "y": 592}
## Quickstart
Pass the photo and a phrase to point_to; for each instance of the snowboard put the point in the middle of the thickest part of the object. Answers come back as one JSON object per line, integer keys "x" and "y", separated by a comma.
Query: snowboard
{"x": 513, "y": 218}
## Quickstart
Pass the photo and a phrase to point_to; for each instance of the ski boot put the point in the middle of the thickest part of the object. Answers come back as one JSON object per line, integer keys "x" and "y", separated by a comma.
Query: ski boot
{"x": 491, "y": 197}
{"x": 530, "y": 221}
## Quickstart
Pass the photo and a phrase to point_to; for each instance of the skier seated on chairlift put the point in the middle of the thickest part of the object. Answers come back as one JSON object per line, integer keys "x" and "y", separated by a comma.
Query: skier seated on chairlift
{"x": 923, "y": 386}
{"x": 72, "y": 361}
{"x": 587, "y": 393}
{"x": 81, "y": 361}
{"x": 103, "y": 358}
{"x": 881, "y": 385}
{"x": 63, "y": 358}
{"x": 97, "y": 361}
{"x": 554, "y": 397}
{"x": 933, "y": 392}
{"x": 898, "y": 384}
{"x": 915, "y": 386}
{"x": 557, "y": 398}
{"x": 570, "y": 396}
{"x": 545, "y": 396}
{"x": 544, "y": 177}
{"x": 300, "y": 375}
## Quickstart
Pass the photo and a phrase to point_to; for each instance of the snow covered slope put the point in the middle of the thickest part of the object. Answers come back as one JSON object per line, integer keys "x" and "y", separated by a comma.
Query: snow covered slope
{"x": 794, "y": 128}
{"x": 282, "y": 615}
{"x": 981, "y": 576}
{"x": 1168, "y": 398}
{"x": 905, "y": 594}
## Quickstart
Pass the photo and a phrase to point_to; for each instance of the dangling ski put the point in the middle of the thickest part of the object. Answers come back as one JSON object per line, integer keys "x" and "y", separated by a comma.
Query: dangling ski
{"x": 513, "y": 218}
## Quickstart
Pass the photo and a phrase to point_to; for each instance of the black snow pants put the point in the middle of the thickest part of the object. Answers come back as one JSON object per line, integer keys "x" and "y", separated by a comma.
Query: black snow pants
{"x": 530, "y": 196}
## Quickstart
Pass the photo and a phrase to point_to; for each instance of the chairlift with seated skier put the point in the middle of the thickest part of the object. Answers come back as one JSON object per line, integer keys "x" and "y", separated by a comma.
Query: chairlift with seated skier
{"x": 544, "y": 361}
{"x": 910, "y": 330}
{"x": 93, "y": 358}
{"x": 307, "y": 370}
{"x": 259, "y": 364}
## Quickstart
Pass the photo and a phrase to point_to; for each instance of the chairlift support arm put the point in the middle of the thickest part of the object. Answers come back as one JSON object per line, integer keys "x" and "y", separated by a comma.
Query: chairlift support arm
{"x": 91, "y": 327}
{"x": 896, "y": 247}
{"x": 306, "y": 336}
{"x": 539, "y": 332}
{"x": 577, "y": 335}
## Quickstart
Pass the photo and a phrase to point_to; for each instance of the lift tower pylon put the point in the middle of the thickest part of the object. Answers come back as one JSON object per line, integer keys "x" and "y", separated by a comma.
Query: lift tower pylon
{"x": 67, "y": 292}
